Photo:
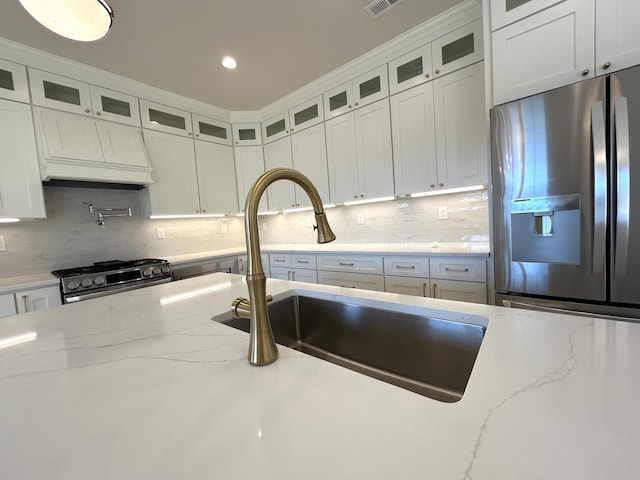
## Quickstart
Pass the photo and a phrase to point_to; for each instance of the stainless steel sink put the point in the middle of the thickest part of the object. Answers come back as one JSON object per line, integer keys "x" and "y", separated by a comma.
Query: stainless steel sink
{"x": 430, "y": 356}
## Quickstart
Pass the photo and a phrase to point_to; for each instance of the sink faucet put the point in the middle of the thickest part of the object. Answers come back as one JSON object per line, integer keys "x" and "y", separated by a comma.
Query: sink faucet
{"x": 262, "y": 346}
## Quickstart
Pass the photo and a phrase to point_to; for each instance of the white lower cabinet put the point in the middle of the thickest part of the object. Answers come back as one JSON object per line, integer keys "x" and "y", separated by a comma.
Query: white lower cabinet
{"x": 461, "y": 279}
{"x": 418, "y": 287}
{"x": 363, "y": 281}
{"x": 293, "y": 267}
{"x": 7, "y": 305}
{"x": 38, "y": 299}
{"x": 21, "y": 194}
{"x": 459, "y": 291}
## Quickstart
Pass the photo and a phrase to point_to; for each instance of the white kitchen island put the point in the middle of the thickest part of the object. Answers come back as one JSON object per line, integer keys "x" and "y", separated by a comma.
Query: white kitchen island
{"x": 143, "y": 385}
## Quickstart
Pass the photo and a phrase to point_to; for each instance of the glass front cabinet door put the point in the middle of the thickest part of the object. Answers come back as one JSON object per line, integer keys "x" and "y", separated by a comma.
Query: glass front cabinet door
{"x": 306, "y": 115}
{"x": 365, "y": 89}
{"x": 13, "y": 82}
{"x": 211, "y": 130}
{"x": 115, "y": 106}
{"x": 60, "y": 93}
{"x": 275, "y": 128}
{"x": 457, "y": 49}
{"x": 246, "y": 134}
{"x": 504, "y": 12}
{"x": 410, "y": 69}
{"x": 165, "y": 119}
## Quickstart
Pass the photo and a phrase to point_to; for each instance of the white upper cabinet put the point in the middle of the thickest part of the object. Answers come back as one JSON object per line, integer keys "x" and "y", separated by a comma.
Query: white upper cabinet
{"x": 365, "y": 89}
{"x": 216, "y": 172}
{"x": 552, "y": 48}
{"x": 359, "y": 154}
{"x": 504, "y": 12}
{"x": 60, "y": 93}
{"x": 410, "y": 69}
{"x": 414, "y": 140}
{"x": 458, "y": 49}
{"x": 122, "y": 145}
{"x": 275, "y": 128}
{"x": 281, "y": 195}
{"x": 249, "y": 166}
{"x": 306, "y": 115}
{"x": 246, "y": 134}
{"x": 175, "y": 185}
{"x": 115, "y": 106}
{"x": 21, "y": 193}
{"x": 165, "y": 119}
{"x": 69, "y": 136}
{"x": 13, "y": 81}
{"x": 460, "y": 128}
{"x": 617, "y": 39}
{"x": 211, "y": 130}
{"x": 310, "y": 158}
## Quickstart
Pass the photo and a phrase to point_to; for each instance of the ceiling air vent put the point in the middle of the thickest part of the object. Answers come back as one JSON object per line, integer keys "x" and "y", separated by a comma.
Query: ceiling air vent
{"x": 378, "y": 7}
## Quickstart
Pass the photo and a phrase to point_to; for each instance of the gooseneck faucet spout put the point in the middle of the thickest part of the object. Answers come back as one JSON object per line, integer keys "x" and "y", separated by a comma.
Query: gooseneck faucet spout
{"x": 262, "y": 346}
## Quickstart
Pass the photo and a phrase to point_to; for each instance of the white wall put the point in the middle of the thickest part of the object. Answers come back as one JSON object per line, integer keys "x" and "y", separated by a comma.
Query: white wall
{"x": 69, "y": 237}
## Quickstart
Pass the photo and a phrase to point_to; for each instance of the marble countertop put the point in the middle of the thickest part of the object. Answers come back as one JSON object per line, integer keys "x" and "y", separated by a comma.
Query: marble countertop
{"x": 143, "y": 385}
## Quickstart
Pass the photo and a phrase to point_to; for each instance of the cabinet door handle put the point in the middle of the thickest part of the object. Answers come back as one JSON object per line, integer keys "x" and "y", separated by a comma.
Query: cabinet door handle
{"x": 347, "y": 286}
{"x": 424, "y": 289}
{"x": 289, "y": 275}
{"x": 279, "y": 260}
{"x": 24, "y": 300}
{"x": 434, "y": 290}
{"x": 305, "y": 262}
{"x": 293, "y": 275}
{"x": 240, "y": 264}
{"x": 346, "y": 264}
{"x": 406, "y": 267}
{"x": 459, "y": 270}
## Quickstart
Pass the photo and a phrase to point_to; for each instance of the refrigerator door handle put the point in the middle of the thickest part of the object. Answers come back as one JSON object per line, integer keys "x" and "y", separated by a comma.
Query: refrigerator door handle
{"x": 598, "y": 137}
{"x": 621, "y": 125}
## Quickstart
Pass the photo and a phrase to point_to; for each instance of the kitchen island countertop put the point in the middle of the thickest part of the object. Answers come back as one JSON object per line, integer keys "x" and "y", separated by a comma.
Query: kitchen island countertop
{"x": 143, "y": 385}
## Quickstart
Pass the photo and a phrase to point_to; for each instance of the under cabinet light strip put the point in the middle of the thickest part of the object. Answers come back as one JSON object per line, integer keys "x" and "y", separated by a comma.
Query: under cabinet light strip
{"x": 472, "y": 188}
{"x": 369, "y": 200}
{"x": 9, "y": 220}
{"x": 163, "y": 217}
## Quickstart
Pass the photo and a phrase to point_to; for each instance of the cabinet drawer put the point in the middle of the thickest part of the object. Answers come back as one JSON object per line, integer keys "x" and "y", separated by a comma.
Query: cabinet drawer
{"x": 473, "y": 292}
{"x": 406, "y": 266}
{"x": 467, "y": 269}
{"x": 357, "y": 264}
{"x": 299, "y": 261}
{"x": 352, "y": 280}
{"x": 280, "y": 259}
{"x": 418, "y": 287}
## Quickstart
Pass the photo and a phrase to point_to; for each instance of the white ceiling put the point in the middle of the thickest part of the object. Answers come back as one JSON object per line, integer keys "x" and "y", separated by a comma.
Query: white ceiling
{"x": 280, "y": 45}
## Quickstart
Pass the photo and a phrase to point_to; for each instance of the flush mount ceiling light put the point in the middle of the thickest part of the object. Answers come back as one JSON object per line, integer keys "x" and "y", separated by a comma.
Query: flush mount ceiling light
{"x": 229, "y": 62}
{"x": 82, "y": 20}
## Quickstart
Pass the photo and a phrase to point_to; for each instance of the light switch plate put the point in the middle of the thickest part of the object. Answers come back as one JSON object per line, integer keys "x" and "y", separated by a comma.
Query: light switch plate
{"x": 3, "y": 244}
{"x": 361, "y": 219}
{"x": 442, "y": 213}
{"x": 223, "y": 228}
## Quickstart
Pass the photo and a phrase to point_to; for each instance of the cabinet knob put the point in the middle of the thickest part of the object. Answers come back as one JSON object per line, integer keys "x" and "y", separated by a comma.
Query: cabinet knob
{"x": 585, "y": 72}
{"x": 286, "y": 131}
{"x": 86, "y": 110}
{"x": 355, "y": 196}
{"x": 197, "y": 134}
{"x": 426, "y": 75}
{"x": 437, "y": 72}
{"x": 237, "y": 142}
{"x": 361, "y": 195}
{"x": 292, "y": 129}
{"x": 349, "y": 106}
{"x": 189, "y": 133}
{"x": 606, "y": 65}
{"x": 98, "y": 113}
{"x": 441, "y": 184}
{"x": 204, "y": 211}
{"x": 433, "y": 185}
{"x": 356, "y": 104}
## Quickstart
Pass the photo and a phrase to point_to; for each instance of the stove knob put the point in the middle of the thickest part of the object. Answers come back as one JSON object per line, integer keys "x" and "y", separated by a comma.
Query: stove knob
{"x": 99, "y": 281}
{"x": 86, "y": 283}
{"x": 165, "y": 269}
{"x": 147, "y": 272}
{"x": 73, "y": 285}
{"x": 156, "y": 270}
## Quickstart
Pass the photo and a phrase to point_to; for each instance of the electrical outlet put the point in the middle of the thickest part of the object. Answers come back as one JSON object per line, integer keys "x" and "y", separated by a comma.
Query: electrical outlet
{"x": 361, "y": 219}
{"x": 160, "y": 233}
{"x": 223, "y": 228}
{"x": 3, "y": 244}
{"x": 264, "y": 226}
{"x": 309, "y": 222}
{"x": 443, "y": 214}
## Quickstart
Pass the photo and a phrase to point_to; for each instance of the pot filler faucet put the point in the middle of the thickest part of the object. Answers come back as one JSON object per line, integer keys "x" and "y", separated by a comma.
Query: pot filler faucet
{"x": 262, "y": 346}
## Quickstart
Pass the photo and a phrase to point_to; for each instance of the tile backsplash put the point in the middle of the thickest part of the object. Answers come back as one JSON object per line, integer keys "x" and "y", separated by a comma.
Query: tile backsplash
{"x": 69, "y": 237}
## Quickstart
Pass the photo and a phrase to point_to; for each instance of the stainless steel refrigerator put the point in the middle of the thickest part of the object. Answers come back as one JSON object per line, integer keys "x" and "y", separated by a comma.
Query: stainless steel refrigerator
{"x": 566, "y": 197}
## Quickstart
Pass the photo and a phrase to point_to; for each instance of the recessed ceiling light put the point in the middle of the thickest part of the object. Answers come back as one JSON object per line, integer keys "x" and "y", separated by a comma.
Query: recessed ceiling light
{"x": 229, "y": 62}
{"x": 83, "y": 20}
